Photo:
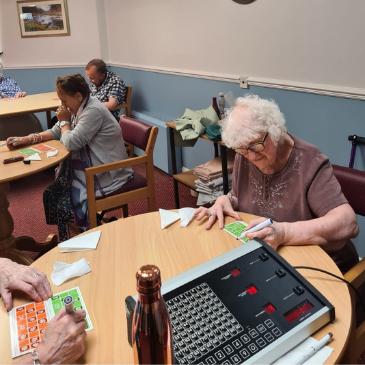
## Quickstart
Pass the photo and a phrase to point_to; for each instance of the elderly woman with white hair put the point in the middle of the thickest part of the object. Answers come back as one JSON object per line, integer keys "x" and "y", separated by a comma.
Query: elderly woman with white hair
{"x": 276, "y": 175}
{"x": 8, "y": 87}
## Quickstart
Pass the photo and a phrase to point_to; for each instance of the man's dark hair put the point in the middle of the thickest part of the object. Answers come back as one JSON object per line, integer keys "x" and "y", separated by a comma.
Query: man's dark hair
{"x": 100, "y": 66}
{"x": 72, "y": 84}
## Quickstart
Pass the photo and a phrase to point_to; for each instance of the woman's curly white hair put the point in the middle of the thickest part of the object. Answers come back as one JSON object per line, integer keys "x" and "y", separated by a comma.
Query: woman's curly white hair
{"x": 249, "y": 119}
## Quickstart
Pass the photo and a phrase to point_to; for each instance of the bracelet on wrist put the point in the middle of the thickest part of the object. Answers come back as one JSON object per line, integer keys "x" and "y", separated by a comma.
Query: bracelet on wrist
{"x": 35, "y": 357}
{"x": 37, "y": 137}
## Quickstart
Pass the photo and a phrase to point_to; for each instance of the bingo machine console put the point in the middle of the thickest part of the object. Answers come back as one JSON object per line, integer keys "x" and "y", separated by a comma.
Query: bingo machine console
{"x": 248, "y": 306}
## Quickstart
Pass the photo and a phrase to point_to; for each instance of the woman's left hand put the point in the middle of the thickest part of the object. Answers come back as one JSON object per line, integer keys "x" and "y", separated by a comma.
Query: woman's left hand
{"x": 28, "y": 279}
{"x": 221, "y": 207}
{"x": 63, "y": 114}
{"x": 274, "y": 235}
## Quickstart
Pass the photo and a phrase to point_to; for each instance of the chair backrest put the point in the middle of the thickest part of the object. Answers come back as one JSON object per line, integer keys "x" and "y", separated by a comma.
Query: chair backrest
{"x": 135, "y": 132}
{"x": 127, "y": 103}
{"x": 353, "y": 187}
{"x": 128, "y": 95}
{"x": 144, "y": 136}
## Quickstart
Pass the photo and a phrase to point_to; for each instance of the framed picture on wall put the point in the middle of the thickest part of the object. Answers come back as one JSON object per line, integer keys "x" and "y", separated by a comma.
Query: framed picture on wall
{"x": 43, "y": 18}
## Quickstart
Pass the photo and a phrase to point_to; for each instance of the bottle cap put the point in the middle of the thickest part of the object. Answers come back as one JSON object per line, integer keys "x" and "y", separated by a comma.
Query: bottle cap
{"x": 148, "y": 279}
{"x": 221, "y": 94}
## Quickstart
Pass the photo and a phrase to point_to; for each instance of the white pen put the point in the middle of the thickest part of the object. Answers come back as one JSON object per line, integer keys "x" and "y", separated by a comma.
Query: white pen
{"x": 312, "y": 350}
{"x": 10, "y": 142}
{"x": 69, "y": 304}
{"x": 262, "y": 225}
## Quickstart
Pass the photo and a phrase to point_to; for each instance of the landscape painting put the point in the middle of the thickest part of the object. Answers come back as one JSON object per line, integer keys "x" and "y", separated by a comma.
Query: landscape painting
{"x": 43, "y": 18}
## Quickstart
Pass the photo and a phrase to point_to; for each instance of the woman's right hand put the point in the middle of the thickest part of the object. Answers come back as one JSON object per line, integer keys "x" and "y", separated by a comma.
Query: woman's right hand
{"x": 63, "y": 340}
{"x": 221, "y": 207}
{"x": 23, "y": 141}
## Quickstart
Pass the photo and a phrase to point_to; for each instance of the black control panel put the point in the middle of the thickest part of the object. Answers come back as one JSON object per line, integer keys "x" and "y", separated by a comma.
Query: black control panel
{"x": 241, "y": 308}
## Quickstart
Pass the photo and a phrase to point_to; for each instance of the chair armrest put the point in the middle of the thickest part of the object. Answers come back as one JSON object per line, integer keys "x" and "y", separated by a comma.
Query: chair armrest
{"x": 116, "y": 165}
{"x": 121, "y": 106}
{"x": 356, "y": 275}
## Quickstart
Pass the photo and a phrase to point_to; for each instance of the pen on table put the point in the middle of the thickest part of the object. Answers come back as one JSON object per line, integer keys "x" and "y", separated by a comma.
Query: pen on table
{"x": 313, "y": 349}
{"x": 69, "y": 304}
{"x": 10, "y": 142}
{"x": 262, "y": 225}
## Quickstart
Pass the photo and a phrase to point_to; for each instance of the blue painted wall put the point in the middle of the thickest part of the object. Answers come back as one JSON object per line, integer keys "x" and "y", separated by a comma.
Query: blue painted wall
{"x": 321, "y": 120}
{"x": 39, "y": 80}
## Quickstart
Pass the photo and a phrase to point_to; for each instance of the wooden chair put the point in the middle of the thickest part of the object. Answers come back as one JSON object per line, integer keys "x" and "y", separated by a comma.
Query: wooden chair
{"x": 19, "y": 125}
{"x": 128, "y": 146}
{"x": 28, "y": 244}
{"x": 128, "y": 111}
{"x": 353, "y": 187}
{"x": 127, "y": 104}
{"x": 144, "y": 137}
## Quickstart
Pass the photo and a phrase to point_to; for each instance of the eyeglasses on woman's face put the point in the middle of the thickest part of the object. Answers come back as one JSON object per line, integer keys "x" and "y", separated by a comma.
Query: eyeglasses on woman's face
{"x": 254, "y": 147}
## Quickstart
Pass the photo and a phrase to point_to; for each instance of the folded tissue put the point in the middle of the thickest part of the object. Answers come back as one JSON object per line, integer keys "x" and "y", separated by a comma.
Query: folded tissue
{"x": 85, "y": 242}
{"x": 52, "y": 153}
{"x": 34, "y": 157}
{"x": 63, "y": 271}
{"x": 186, "y": 215}
{"x": 168, "y": 217}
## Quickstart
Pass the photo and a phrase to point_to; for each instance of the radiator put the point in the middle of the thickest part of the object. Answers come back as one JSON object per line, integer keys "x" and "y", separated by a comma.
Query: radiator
{"x": 161, "y": 153}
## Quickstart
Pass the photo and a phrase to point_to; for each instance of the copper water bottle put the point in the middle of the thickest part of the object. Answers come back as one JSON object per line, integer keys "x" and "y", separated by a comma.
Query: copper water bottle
{"x": 152, "y": 333}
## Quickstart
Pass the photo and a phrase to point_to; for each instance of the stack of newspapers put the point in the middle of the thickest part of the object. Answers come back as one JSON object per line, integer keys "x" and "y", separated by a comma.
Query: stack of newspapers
{"x": 210, "y": 182}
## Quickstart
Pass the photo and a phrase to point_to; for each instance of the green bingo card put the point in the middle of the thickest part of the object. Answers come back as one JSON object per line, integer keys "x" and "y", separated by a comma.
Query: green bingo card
{"x": 236, "y": 229}
{"x": 56, "y": 303}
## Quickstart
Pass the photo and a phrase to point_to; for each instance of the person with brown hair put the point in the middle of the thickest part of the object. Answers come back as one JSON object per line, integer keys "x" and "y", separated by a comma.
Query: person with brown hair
{"x": 107, "y": 87}
{"x": 87, "y": 129}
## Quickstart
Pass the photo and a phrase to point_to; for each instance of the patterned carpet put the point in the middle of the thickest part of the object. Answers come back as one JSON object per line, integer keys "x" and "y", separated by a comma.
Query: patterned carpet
{"x": 26, "y": 205}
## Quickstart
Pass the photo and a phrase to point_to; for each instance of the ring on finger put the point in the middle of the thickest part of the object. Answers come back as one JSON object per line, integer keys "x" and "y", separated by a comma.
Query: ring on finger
{"x": 210, "y": 215}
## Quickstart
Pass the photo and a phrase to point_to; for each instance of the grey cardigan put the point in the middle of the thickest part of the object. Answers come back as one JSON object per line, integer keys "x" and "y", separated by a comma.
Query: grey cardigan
{"x": 97, "y": 128}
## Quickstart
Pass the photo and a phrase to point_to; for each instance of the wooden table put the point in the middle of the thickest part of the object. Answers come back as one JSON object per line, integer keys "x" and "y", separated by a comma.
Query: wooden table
{"x": 14, "y": 171}
{"x": 30, "y": 104}
{"x": 127, "y": 244}
{"x": 187, "y": 177}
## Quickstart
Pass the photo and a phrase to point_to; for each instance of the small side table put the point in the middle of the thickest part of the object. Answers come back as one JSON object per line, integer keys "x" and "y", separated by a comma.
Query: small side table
{"x": 187, "y": 177}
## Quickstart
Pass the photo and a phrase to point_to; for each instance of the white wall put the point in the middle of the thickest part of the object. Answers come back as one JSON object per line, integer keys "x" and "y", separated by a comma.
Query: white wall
{"x": 315, "y": 41}
{"x": 80, "y": 47}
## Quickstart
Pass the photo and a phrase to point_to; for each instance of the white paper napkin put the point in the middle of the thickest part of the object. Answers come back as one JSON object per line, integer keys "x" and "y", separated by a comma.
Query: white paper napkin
{"x": 168, "y": 217}
{"x": 52, "y": 153}
{"x": 85, "y": 242}
{"x": 63, "y": 271}
{"x": 186, "y": 215}
{"x": 34, "y": 157}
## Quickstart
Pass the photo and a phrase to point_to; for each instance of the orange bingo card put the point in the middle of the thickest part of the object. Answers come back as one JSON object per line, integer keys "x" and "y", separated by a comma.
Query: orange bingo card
{"x": 31, "y": 321}
{"x": 43, "y": 148}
